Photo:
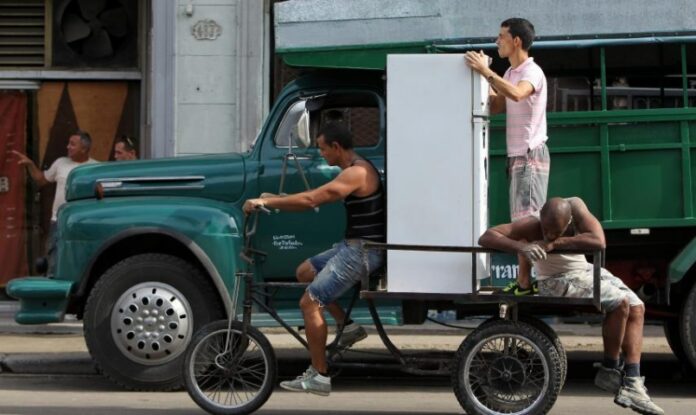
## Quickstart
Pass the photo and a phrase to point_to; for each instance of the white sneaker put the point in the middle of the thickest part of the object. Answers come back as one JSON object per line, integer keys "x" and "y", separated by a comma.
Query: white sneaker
{"x": 352, "y": 334}
{"x": 633, "y": 394}
{"x": 310, "y": 381}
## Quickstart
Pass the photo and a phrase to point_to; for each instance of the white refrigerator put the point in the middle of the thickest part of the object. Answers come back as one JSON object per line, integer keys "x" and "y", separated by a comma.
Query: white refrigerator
{"x": 437, "y": 171}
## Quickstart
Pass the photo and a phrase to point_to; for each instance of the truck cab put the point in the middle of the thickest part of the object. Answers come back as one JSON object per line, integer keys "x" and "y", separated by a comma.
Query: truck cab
{"x": 148, "y": 250}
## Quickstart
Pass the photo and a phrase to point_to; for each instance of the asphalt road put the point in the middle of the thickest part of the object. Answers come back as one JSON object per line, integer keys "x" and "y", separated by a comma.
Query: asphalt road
{"x": 37, "y": 354}
{"x": 68, "y": 395}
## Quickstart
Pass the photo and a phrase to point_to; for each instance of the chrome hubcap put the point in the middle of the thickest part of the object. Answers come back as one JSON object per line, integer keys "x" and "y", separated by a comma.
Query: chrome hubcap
{"x": 152, "y": 323}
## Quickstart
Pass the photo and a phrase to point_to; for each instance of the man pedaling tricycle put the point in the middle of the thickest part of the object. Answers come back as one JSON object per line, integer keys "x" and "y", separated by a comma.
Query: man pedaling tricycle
{"x": 335, "y": 271}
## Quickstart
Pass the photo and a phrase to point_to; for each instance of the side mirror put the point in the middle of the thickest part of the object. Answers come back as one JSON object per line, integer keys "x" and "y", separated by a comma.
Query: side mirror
{"x": 301, "y": 131}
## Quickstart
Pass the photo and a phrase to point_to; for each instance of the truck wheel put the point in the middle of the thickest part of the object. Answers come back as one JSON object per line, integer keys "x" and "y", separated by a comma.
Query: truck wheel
{"x": 142, "y": 314}
{"x": 687, "y": 329}
{"x": 673, "y": 337}
{"x": 506, "y": 367}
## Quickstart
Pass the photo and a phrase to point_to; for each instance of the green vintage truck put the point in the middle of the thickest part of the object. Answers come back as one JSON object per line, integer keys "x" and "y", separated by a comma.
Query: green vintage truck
{"x": 148, "y": 250}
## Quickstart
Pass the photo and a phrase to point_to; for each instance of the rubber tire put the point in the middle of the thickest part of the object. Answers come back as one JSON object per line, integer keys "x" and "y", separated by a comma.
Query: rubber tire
{"x": 168, "y": 269}
{"x": 687, "y": 329}
{"x": 555, "y": 340}
{"x": 493, "y": 328}
{"x": 673, "y": 336}
{"x": 269, "y": 381}
{"x": 550, "y": 334}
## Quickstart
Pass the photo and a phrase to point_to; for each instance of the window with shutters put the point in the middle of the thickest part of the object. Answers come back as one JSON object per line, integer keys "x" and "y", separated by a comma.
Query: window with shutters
{"x": 22, "y": 33}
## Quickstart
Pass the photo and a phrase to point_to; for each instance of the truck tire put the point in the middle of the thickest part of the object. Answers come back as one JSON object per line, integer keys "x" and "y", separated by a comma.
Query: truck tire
{"x": 141, "y": 316}
{"x": 506, "y": 367}
{"x": 687, "y": 329}
{"x": 672, "y": 334}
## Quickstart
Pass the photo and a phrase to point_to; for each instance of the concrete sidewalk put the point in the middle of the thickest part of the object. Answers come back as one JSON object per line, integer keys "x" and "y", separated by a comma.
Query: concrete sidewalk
{"x": 61, "y": 349}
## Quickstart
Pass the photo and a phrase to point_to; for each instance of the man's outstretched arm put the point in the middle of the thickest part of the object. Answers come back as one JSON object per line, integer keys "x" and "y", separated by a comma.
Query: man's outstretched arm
{"x": 36, "y": 174}
{"x": 339, "y": 188}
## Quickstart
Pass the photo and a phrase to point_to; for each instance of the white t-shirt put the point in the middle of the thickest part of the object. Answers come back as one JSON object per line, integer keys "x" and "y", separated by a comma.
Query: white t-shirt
{"x": 58, "y": 174}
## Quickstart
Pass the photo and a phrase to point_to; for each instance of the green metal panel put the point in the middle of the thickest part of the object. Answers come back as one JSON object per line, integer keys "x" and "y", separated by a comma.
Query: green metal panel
{"x": 578, "y": 42}
{"x": 630, "y": 134}
{"x": 574, "y": 174}
{"x": 348, "y": 57}
{"x": 634, "y": 168}
{"x": 42, "y": 300}
{"x": 221, "y": 177}
{"x": 646, "y": 185}
{"x": 683, "y": 262}
{"x": 86, "y": 226}
{"x": 579, "y": 138}
{"x": 373, "y": 56}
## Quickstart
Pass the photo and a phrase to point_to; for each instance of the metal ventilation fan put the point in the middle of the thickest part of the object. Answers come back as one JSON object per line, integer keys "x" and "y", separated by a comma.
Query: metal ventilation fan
{"x": 94, "y": 28}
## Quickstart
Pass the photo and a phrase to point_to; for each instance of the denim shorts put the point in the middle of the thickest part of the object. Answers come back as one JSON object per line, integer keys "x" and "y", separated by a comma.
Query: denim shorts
{"x": 579, "y": 285}
{"x": 340, "y": 268}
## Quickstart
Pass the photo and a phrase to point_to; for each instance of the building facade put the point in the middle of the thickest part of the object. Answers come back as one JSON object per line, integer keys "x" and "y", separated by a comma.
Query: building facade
{"x": 182, "y": 77}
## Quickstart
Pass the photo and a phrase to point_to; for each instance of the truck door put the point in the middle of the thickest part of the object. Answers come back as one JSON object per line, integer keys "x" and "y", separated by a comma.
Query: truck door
{"x": 291, "y": 237}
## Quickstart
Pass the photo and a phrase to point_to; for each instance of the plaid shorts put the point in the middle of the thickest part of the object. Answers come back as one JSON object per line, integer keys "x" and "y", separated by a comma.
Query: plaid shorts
{"x": 529, "y": 180}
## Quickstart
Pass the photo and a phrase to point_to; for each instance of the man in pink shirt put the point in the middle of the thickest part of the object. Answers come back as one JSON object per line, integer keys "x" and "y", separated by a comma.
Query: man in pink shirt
{"x": 521, "y": 93}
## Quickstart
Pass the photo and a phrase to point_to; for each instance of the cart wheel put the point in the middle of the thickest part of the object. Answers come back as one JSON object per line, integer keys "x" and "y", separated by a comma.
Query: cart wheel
{"x": 233, "y": 380}
{"x": 550, "y": 334}
{"x": 555, "y": 340}
{"x": 506, "y": 367}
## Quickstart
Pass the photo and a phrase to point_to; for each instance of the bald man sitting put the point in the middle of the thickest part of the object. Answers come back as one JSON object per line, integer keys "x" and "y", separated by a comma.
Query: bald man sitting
{"x": 568, "y": 224}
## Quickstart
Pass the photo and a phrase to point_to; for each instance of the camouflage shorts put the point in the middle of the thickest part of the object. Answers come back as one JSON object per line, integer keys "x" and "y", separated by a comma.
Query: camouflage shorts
{"x": 579, "y": 285}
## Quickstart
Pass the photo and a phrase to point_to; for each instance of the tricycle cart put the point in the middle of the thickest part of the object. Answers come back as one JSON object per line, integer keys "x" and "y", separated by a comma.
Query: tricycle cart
{"x": 513, "y": 363}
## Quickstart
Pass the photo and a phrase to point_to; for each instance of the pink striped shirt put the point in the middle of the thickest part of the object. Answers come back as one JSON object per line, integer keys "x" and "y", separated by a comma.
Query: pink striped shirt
{"x": 526, "y": 120}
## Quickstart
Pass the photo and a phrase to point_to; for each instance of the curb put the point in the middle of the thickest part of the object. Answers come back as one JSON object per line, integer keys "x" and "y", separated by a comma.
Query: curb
{"x": 71, "y": 363}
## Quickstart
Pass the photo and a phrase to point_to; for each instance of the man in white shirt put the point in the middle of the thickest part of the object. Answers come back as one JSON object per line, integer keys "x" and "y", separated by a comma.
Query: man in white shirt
{"x": 79, "y": 146}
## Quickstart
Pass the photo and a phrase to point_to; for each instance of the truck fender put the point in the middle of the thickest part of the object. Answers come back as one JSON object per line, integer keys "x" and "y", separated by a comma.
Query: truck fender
{"x": 183, "y": 239}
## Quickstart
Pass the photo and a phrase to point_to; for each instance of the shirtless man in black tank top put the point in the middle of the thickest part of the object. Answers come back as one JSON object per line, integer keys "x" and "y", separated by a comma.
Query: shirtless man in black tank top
{"x": 336, "y": 270}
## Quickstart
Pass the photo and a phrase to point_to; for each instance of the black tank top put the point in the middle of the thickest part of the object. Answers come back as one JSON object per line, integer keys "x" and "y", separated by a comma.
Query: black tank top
{"x": 366, "y": 216}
